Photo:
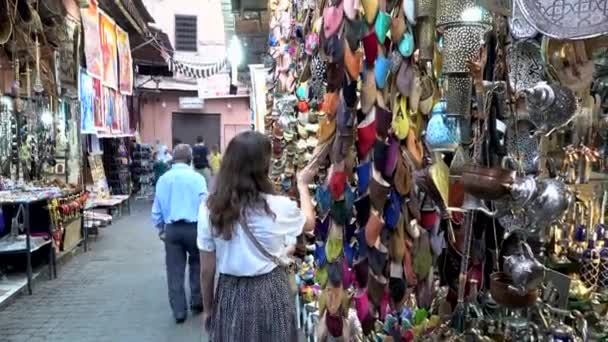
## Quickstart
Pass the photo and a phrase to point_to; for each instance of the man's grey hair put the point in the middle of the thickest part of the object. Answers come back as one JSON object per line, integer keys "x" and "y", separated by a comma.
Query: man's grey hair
{"x": 182, "y": 153}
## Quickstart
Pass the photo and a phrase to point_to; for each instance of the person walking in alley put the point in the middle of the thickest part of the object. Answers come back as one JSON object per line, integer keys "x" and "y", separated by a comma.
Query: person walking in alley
{"x": 215, "y": 160}
{"x": 179, "y": 193}
{"x": 201, "y": 158}
{"x": 248, "y": 231}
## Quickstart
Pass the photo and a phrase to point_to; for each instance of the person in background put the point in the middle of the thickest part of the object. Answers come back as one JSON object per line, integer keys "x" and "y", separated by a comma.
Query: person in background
{"x": 179, "y": 193}
{"x": 247, "y": 231}
{"x": 215, "y": 160}
{"x": 162, "y": 161}
{"x": 200, "y": 154}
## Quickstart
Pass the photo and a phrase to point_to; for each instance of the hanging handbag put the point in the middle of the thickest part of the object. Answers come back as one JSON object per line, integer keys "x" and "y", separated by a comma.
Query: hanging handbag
{"x": 288, "y": 267}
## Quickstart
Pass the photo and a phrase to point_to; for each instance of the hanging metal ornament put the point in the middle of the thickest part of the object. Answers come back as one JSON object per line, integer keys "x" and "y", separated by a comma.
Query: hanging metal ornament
{"x": 550, "y": 106}
{"x": 38, "y": 87}
{"x": 526, "y": 67}
{"x": 6, "y": 134}
{"x": 519, "y": 27}
{"x": 522, "y": 147}
{"x": 567, "y": 19}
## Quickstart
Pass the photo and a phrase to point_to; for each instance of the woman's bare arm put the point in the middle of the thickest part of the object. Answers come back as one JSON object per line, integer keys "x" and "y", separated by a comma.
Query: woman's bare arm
{"x": 207, "y": 284}
{"x": 307, "y": 207}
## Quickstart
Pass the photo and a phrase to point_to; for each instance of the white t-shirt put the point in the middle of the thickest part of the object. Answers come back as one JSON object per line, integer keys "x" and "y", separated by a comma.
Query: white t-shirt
{"x": 239, "y": 256}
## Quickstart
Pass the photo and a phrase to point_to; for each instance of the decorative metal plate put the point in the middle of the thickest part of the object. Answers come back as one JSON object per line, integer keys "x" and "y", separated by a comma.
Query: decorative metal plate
{"x": 567, "y": 19}
{"x": 526, "y": 67}
{"x": 519, "y": 26}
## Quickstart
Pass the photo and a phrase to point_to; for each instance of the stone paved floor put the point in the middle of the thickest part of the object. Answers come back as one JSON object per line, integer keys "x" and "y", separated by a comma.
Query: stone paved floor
{"x": 115, "y": 292}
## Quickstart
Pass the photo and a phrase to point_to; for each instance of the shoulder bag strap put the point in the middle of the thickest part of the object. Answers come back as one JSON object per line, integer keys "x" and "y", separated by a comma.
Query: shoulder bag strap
{"x": 258, "y": 245}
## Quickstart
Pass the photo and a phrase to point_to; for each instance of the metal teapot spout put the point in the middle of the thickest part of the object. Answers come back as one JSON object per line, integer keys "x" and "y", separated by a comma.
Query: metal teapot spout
{"x": 472, "y": 203}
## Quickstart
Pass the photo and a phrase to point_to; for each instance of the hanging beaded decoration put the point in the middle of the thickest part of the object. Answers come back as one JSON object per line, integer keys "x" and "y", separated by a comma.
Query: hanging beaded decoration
{"x": 6, "y": 134}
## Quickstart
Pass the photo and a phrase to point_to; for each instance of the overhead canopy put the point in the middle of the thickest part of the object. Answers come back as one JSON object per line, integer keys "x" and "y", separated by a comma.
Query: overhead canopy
{"x": 147, "y": 56}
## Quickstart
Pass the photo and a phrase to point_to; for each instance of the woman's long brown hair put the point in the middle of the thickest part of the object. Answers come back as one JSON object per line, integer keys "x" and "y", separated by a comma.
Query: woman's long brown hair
{"x": 240, "y": 183}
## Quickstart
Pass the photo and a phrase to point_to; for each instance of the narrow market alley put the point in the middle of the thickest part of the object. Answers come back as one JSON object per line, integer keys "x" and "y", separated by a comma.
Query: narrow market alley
{"x": 116, "y": 291}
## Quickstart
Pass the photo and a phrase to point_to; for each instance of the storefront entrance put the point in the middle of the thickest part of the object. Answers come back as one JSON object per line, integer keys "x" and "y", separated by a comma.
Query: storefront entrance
{"x": 187, "y": 126}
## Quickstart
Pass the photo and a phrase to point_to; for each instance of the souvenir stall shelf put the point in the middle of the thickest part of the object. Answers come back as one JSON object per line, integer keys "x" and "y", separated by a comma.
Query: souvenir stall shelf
{"x": 116, "y": 162}
{"x": 27, "y": 231}
{"x": 100, "y": 197}
{"x": 459, "y": 149}
{"x": 142, "y": 171}
{"x": 38, "y": 122}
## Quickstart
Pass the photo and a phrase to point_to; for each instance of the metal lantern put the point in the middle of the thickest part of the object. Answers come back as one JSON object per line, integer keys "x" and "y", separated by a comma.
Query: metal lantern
{"x": 464, "y": 25}
{"x": 462, "y": 12}
{"x": 461, "y": 44}
{"x": 458, "y": 94}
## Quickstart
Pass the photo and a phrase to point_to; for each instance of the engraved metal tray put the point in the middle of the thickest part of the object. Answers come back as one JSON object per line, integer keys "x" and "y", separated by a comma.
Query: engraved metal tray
{"x": 567, "y": 19}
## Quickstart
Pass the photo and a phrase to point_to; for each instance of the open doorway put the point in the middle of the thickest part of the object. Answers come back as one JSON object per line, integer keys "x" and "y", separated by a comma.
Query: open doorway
{"x": 187, "y": 126}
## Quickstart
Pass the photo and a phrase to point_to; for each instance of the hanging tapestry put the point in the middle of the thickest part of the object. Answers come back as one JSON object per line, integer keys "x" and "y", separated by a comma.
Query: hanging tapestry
{"x": 107, "y": 29}
{"x": 125, "y": 62}
{"x": 87, "y": 103}
{"x": 92, "y": 44}
{"x": 98, "y": 109}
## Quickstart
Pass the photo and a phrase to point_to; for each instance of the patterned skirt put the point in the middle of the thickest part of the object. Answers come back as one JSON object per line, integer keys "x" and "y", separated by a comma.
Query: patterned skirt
{"x": 254, "y": 309}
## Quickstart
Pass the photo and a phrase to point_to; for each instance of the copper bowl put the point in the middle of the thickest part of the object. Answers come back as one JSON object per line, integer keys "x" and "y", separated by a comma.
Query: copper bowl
{"x": 503, "y": 295}
{"x": 487, "y": 183}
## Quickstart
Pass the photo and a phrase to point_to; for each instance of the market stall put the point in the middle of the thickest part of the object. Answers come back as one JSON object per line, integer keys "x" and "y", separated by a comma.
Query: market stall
{"x": 106, "y": 86}
{"x": 52, "y": 101}
{"x": 40, "y": 155}
{"x": 459, "y": 148}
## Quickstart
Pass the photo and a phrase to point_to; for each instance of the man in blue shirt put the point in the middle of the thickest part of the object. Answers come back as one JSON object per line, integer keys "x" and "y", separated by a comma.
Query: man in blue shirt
{"x": 179, "y": 193}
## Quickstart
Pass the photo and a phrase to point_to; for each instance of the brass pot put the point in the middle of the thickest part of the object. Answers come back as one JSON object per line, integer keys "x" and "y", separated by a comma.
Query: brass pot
{"x": 502, "y": 291}
{"x": 487, "y": 183}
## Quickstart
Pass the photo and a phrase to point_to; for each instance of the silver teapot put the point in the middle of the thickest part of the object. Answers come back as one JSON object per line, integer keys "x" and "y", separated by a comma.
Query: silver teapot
{"x": 543, "y": 201}
{"x": 526, "y": 272}
{"x": 550, "y": 106}
{"x": 550, "y": 203}
{"x": 523, "y": 190}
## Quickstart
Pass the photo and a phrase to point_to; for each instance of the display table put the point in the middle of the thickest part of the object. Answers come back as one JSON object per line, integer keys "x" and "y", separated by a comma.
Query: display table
{"x": 111, "y": 204}
{"x": 26, "y": 243}
{"x": 29, "y": 240}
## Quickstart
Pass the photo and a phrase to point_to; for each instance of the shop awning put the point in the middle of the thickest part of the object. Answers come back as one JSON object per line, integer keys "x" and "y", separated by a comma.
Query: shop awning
{"x": 147, "y": 56}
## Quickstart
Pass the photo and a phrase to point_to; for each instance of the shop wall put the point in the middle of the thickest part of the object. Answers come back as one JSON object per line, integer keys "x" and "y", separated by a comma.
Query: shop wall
{"x": 210, "y": 26}
{"x": 157, "y": 113}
